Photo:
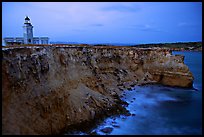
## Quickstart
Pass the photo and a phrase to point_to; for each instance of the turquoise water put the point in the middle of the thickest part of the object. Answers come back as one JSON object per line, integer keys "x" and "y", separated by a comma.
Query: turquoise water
{"x": 161, "y": 110}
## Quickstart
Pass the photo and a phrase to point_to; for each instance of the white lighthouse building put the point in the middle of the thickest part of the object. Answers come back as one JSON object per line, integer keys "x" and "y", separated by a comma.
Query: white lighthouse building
{"x": 28, "y": 32}
{"x": 27, "y": 36}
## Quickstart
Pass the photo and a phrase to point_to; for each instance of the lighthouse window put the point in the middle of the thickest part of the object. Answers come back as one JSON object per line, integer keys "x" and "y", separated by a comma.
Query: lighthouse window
{"x": 29, "y": 40}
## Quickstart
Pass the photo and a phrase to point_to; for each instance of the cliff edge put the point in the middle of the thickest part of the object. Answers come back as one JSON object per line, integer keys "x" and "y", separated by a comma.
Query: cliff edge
{"x": 46, "y": 89}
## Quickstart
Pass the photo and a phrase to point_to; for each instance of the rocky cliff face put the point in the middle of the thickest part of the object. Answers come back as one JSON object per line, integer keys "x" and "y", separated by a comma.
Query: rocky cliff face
{"x": 46, "y": 89}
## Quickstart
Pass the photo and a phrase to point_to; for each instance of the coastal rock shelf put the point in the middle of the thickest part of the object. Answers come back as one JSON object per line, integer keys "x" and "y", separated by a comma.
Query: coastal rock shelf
{"x": 46, "y": 89}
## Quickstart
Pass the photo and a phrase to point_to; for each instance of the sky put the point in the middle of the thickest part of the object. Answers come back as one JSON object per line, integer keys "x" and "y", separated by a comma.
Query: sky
{"x": 106, "y": 22}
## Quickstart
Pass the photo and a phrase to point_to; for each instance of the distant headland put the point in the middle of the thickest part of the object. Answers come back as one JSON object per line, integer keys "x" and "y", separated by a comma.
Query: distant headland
{"x": 177, "y": 46}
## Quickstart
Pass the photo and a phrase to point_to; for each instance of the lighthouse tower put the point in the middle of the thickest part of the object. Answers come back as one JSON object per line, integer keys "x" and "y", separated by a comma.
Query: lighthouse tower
{"x": 28, "y": 31}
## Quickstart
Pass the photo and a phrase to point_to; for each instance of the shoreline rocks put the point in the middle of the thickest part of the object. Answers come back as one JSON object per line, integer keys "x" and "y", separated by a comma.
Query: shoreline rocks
{"x": 107, "y": 130}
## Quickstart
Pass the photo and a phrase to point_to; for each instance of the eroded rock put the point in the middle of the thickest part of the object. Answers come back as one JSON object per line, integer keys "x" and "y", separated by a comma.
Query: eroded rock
{"x": 46, "y": 89}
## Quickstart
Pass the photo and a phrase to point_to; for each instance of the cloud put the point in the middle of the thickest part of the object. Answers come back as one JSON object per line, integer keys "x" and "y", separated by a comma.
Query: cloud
{"x": 146, "y": 27}
{"x": 69, "y": 12}
{"x": 97, "y": 25}
{"x": 186, "y": 24}
{"x": 62, "y": 20}
{"x": 122, "y": 7}
{"x": 181, "y": 24}
{"x": 79, "y": 30}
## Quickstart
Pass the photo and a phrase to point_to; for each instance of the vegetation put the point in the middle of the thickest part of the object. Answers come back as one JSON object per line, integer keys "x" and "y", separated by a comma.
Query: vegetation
{"x": 196, "y": 46}
{"x": 174, "y": 46}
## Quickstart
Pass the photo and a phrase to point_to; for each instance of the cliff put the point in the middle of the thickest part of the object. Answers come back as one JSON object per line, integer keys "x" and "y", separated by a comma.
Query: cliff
{"x": 46, "y": 89}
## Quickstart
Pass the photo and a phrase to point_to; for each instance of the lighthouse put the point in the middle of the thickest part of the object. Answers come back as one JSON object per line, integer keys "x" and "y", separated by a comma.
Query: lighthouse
{"x": 27, "y": 36}
{"x": 28, "y": 31}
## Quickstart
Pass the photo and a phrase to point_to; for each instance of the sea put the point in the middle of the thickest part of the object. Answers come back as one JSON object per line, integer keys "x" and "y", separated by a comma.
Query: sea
{"x": 158, "y": 109}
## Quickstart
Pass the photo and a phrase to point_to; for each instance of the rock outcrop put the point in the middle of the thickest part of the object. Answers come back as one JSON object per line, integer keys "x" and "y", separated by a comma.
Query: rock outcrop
{"x": 48, "y": 88}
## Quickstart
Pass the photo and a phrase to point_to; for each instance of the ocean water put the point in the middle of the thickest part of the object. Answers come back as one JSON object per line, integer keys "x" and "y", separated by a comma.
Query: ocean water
{"x": 161, "y": 110}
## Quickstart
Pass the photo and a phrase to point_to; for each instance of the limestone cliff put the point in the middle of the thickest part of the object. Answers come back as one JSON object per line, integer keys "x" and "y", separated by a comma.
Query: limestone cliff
{"x": 48, "y": 88}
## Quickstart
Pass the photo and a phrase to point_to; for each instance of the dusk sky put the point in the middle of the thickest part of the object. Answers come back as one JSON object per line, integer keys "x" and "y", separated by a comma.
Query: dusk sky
{"x": 106, "y": 22}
